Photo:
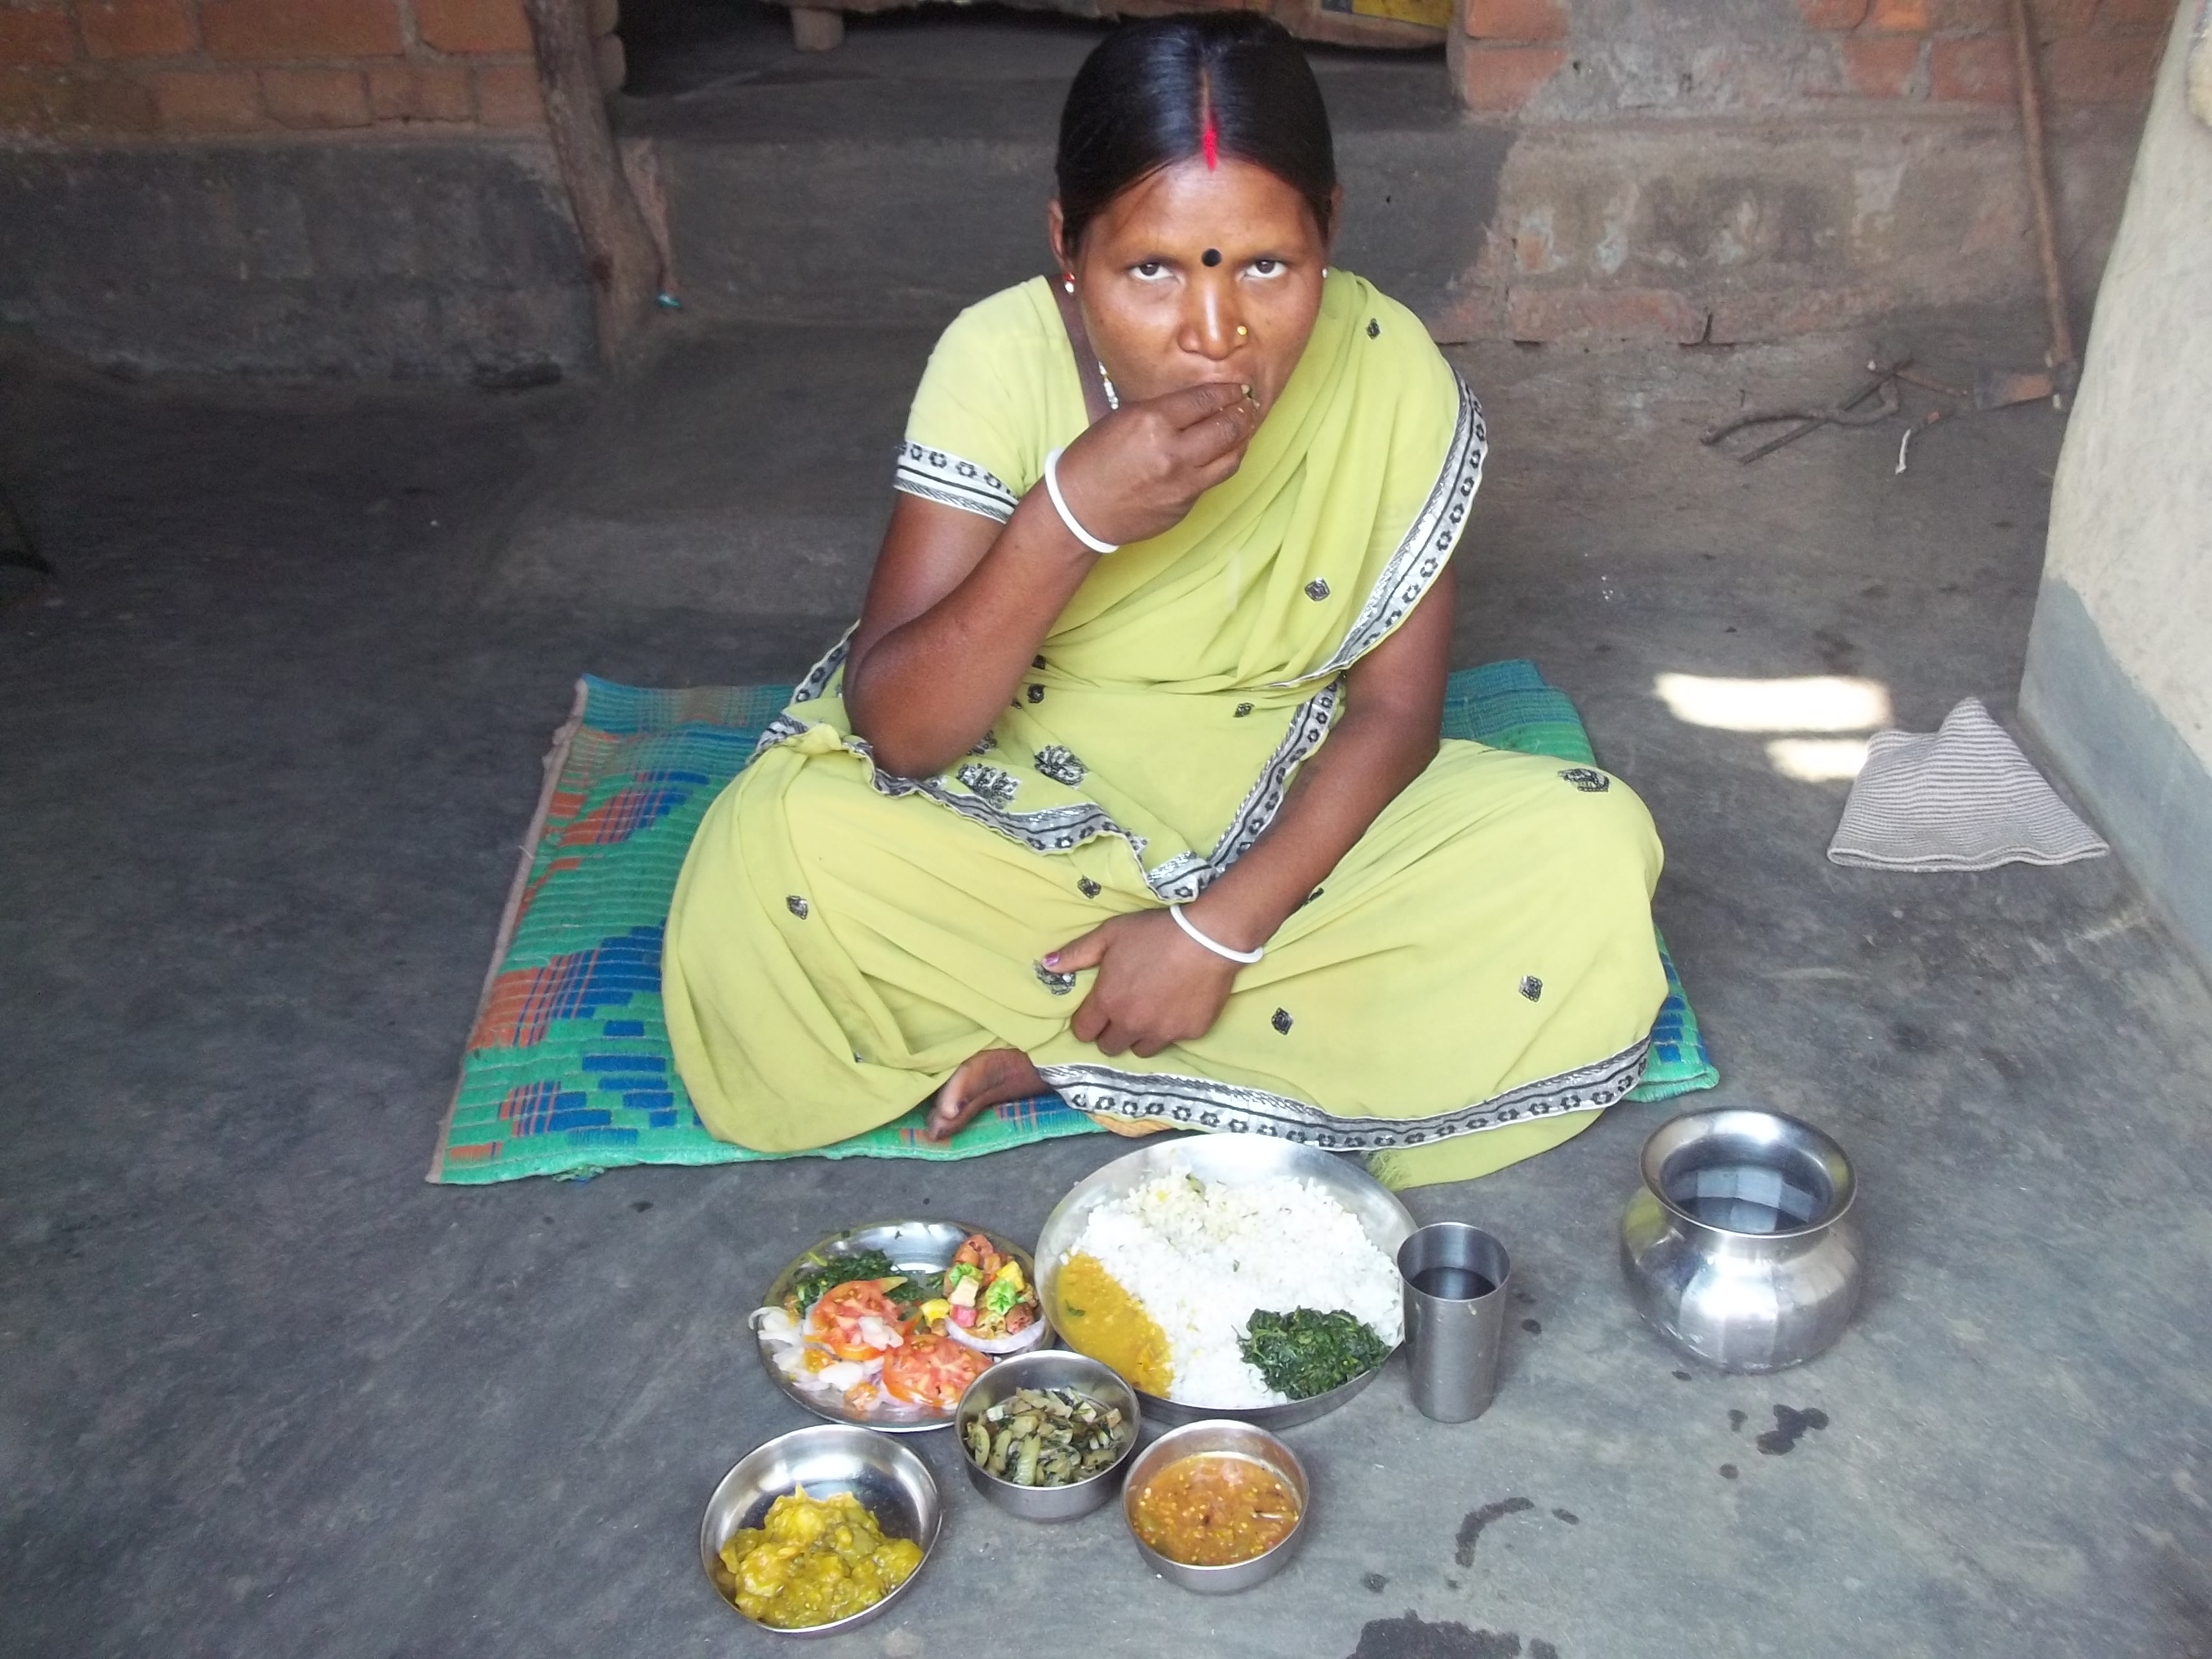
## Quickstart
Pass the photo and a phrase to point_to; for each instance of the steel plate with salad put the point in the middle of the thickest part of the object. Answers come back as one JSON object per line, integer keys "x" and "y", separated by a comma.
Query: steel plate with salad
{"x": 885, "y": 1325}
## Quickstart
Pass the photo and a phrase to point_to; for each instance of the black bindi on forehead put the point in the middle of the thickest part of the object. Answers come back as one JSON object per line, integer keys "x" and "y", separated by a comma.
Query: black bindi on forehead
{"x": 1211, "y": 256}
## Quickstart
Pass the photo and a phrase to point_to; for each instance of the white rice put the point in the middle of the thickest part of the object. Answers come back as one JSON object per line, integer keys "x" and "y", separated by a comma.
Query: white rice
{"x": 1202, "y": 1257}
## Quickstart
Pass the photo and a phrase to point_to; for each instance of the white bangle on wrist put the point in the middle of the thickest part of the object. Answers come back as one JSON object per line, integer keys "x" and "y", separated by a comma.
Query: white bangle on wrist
{"x": 1067, "y": 518}
{"x": 1247, "y": 957}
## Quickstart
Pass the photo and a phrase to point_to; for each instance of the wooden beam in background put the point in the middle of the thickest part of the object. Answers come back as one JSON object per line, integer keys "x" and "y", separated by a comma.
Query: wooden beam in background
{"x": 618, "y": 250}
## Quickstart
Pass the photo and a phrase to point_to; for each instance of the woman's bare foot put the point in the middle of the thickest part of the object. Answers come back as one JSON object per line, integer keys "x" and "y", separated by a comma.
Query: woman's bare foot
{"x": 989, "y": 1079}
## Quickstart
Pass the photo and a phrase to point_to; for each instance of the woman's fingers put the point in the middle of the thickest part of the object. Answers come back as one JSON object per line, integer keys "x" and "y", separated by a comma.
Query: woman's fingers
{"x": 1202, "y": 422}
{"x": 1101, "y": 1033}
{"x": 1196, "y": 404}
{"x": 1218, "y": 472}
{"x": 1221, "y": 432}
{"x": 1087, "y": 951}
{"x": 1138, "y": 471}
{"x": 1153, "y": 989}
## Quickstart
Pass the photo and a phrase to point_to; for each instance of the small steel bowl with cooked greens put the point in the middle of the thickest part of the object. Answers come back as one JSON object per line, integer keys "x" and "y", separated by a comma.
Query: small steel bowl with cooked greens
{"x": 1066, "y": 1422}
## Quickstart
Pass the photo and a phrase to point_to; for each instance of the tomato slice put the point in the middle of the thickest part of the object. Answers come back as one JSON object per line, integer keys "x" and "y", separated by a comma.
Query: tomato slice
{"x": 848, "y": 1316}
{"x": 932, "y": 1370}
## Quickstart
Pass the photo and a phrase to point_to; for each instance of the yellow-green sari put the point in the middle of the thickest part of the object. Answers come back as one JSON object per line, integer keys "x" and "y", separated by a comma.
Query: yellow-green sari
{"x": 1482, "y": 961}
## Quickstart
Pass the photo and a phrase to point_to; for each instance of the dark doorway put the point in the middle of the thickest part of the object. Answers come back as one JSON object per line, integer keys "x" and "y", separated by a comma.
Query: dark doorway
{"x": 678, "y": 48}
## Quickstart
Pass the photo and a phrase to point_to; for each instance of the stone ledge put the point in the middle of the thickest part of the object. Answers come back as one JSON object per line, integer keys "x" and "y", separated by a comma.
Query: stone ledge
{"x": 396, "y": 260}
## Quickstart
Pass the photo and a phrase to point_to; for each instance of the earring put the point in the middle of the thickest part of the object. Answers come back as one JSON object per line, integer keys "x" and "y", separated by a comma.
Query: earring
{"x": 1067, "y": 281}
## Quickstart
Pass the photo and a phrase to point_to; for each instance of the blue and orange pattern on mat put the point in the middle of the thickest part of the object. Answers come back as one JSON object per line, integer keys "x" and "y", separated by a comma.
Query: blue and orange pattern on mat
{"x": 567, "y": 1069}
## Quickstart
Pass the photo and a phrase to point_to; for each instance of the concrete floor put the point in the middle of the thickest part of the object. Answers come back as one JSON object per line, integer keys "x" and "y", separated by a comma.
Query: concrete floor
{"x": 270, "y": 744}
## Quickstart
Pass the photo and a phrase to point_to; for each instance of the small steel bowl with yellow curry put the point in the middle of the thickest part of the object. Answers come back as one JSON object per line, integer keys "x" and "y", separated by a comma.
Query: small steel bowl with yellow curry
{"x": 820, "y": 1529}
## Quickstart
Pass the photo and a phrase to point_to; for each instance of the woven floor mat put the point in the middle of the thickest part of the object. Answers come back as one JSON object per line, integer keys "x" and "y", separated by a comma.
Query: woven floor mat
{"x": 567, "y": 1071}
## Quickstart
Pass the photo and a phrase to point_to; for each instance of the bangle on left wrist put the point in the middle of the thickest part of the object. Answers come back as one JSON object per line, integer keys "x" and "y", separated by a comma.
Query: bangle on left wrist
{"x": 1206, "y": 941}
{"x": 1228, "y": 930}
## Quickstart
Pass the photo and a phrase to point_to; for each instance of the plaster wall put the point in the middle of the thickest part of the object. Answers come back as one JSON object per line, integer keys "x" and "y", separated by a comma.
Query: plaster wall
{"x": 2119, "y": 680}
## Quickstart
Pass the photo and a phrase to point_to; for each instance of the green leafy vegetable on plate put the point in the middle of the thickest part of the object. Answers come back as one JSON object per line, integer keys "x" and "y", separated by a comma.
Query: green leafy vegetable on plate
{"x": 807, "y": 1288}
{"x": 1302, "y": 1353}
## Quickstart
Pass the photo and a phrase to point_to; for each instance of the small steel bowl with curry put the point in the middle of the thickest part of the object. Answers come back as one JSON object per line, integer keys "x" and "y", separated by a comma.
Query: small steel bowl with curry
{"x": 1216, "y": 1506}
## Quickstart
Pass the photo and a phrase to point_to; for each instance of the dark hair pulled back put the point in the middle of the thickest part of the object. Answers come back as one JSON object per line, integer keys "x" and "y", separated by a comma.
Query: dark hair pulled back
{"x": 1141, "y": 99}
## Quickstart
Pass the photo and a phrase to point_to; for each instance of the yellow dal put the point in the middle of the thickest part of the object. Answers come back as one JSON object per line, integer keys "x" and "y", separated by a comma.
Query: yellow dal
{"x": 1100, "y": 1319}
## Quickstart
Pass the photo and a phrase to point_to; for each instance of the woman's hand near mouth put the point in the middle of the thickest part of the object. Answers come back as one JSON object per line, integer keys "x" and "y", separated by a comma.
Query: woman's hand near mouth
{"x": 958, "y": 604}
{"x": 1139, "y": 472}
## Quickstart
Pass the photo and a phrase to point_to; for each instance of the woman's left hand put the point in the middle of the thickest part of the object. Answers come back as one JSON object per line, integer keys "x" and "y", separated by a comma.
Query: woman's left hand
{"x": 1155, "y": 985}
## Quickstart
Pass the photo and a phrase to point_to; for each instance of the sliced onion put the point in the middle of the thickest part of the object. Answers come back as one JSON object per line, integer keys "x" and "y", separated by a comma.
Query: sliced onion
{"x": 879, "y": 1334}
{"x": 844, "y": 1376}
{"x": 776, "y": 1325}
{"x": 1028, "y": 1337}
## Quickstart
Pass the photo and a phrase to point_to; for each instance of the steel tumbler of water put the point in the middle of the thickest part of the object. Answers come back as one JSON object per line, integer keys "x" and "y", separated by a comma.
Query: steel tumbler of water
{"x": 1458, "y": 1283}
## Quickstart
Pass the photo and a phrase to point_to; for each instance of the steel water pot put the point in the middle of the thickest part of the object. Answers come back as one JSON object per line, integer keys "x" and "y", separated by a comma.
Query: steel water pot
{"x": 1739, "y": 1249}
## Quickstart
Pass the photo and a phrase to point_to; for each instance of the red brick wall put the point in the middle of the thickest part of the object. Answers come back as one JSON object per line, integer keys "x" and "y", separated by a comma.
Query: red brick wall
{"x": 195, "y": 67}
{"x": 1932, "y": 51}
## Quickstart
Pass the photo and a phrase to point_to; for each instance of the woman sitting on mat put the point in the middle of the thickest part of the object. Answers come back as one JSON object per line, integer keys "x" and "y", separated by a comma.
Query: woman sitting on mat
{"x": 1127, "y": 783}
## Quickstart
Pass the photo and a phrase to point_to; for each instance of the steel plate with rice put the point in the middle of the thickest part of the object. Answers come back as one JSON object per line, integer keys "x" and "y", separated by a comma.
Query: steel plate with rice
{"x": 1229, "y": 1276}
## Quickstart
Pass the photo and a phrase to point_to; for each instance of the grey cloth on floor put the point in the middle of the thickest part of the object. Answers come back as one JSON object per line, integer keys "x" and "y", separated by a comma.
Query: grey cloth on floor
{"x": 1964, "y": 798}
